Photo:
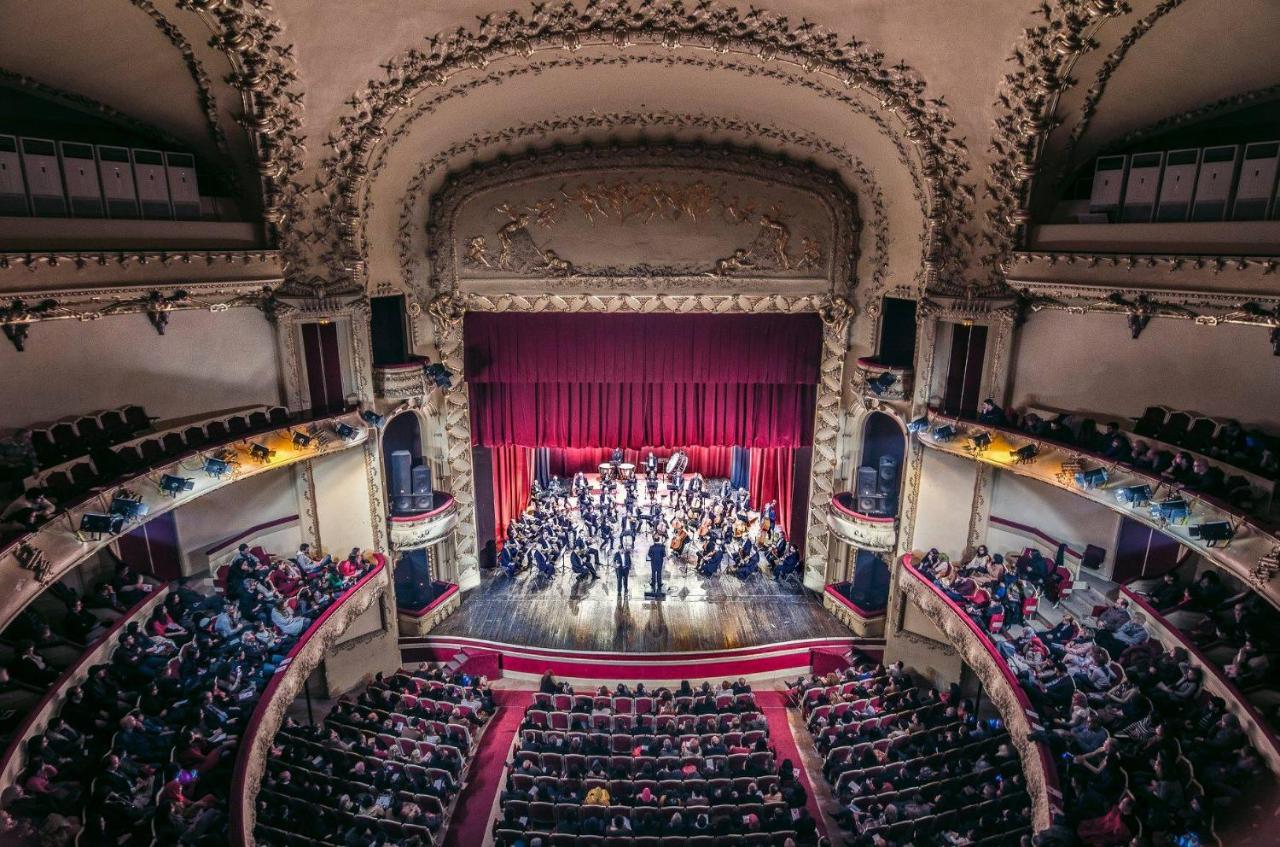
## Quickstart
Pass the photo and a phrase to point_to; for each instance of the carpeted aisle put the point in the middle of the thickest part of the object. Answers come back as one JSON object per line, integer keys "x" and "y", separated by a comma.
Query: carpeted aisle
{"x": 774, "y": 706}
{"x": 470, "y": 820}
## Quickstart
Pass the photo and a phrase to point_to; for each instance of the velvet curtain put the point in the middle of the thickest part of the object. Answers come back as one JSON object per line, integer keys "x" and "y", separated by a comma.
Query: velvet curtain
{"x": 711, "y": 462}
{"x": 512, "y": 483}
{"x": 771, "y": 478}
{"x": 575, "y": 380}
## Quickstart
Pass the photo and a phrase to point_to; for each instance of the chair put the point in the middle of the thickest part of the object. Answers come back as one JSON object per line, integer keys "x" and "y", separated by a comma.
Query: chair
{"x": 47, "y": 453}
{"x": 90, "y": 431}
{"x": 83, "y": 476}
{"x": 136, "y": 418}
{"x": 237, "y": 424}
{"x": 173, "y": 444}
{"x": 278, "y": 415}
{"x": 259, "y": 420}
{"x": 1174, "y": 429}
{"x": 216, "y": 431}
{"x": 114, "y": 426}
{"x": 1149, "y": 424}
{"x": 194, "y": 436}
{"x": 151, "y": 452}
{"x": 1200, "y": 435}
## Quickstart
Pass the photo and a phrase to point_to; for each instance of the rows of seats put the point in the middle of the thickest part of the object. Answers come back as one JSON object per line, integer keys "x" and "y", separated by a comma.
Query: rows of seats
{"x": 1252, "y": 449}
{"x": 142, "y": 751}
{"x": 658, "y": 768}
{"x": 384, "y": 767}
{"x": 909, "y": 764}
{"x": 1142, "y": 749}
{"x": 73, "y": 437}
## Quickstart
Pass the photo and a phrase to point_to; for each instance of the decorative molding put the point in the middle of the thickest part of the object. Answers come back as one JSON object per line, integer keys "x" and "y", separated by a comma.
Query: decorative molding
{"x": 1169, "y": 262}
{"x": 863, "y": 627}
{"x": 879, "y": 535}
{"x": 867, "y": 369}
{"x": 415, "y": 533}
{"x": 1025, "y": 106}
{"x": 34, "y": 261}
{"x": 769, "y": 42}
{"x": 393, "y": 383}
{"x": 444, "y": 239}
{"x": 1231, "y": 103}
{"x": 419, "y": 625}
{"x": 925, "y": 641}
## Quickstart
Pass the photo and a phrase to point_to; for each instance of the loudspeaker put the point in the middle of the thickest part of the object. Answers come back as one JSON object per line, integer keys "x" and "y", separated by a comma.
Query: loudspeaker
{"x": 868, "y": 482}
{"x": 401, "y": 481}
{"x": 888, "y": 474}
{"x": 420, "y": 478}
{"x": 872, "y": 504}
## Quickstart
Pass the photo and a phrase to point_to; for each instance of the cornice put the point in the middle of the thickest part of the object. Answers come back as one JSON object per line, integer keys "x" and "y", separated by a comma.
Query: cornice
{"x": 615, "y": 24}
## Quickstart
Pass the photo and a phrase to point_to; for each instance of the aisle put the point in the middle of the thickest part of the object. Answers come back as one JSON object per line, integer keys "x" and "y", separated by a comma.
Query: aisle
{"x": 470, "y": 822}
{"x": 774, "y": 706}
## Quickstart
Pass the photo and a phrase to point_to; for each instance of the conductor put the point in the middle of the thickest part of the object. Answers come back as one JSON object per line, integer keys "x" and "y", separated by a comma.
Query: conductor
{"x": 657, "y": 552}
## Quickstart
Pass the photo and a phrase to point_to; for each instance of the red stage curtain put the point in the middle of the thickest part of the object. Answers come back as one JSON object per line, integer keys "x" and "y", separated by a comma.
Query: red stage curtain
{"x": 771, "y": 479}
{"x": 711, "y": 462}
{"x": 512, "y": 483}
{"x": 573, "y": 380}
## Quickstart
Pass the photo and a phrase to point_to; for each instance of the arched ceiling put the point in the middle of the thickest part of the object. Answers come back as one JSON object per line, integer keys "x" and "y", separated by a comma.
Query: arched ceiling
{"x": 943, "y": 118}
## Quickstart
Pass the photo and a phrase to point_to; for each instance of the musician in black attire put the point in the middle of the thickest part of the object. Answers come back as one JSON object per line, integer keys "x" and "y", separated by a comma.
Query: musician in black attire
{"x": 622, "y": 569}
{"x": 657, "y": 552}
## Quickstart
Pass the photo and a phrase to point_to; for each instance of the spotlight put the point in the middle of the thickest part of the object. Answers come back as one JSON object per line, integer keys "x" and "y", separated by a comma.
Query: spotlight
{"x": 1024, "y": 455}
{"x": 371, "y": 417}
{"x": 1091, "y": 479}
{"x": 261, "y": 453}
{"x": 882, "y": 383}
{"x": 944, "y": 433}
{"x": 301, "y": 440}
{"x": 216, "y": 468}
{"x": 1135, "y": 495}
{"x": 130, "y": 508}
{"x": 1213, "y": 532}
{"x": 920, "y": 424}
{"x": 175, "y": 485}
{"x": 96, "y": 523}
{"x": 346, "y": 431}
{"x": 440, "y": 375}
{"x": 980, "y": 442}
{"x": 1173, "y": 510}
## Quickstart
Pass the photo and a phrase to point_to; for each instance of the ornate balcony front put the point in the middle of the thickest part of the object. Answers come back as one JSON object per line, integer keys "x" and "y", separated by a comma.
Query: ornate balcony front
{"x": 394, "y": 383}
{"x": 885, "y": 382}
{"x": 866, "y": 532}
{"x": 413, "y": 532}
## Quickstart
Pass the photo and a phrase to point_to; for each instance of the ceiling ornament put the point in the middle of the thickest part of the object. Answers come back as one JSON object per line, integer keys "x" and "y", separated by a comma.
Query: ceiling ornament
{"x": 638, "y": 187}
{"x": 1200, "y": 113}
{"x": 763, "y": 37}
{"x": 1024, "y": 109}
{"x": 867, "y": 192}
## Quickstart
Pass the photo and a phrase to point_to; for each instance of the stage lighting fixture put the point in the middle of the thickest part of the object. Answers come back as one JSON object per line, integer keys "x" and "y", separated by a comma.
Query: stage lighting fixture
{"x": 96, "y": 523}
{"x": 1024, "y": 454}
{"x": 175, "y": 485}
{"x": 346, "y": 431}
{"x": 980, "y": 442}
{"x": 946, "y": 432}
{"x": 882, "y": 383}
{"x": 261, "y": 453}
{"x": 129, "y": 508}
{"x": 920, "y": 424}
{"x": 1173, "y": 510}
{"x": 1213, "y": 532}
{"x": 301, "y": 440}
{"x": 1091, "y": 479}
{"x": 216, "y": 468}
{"x": 1134, "y": 495}
{"x": 371, "y": 417}
{"x": 440, "y": 375}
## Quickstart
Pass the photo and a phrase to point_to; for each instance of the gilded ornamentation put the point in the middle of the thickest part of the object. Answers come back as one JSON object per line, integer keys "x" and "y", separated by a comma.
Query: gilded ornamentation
{"x": 417, "y": 534}
{"x": 880, "y": 536}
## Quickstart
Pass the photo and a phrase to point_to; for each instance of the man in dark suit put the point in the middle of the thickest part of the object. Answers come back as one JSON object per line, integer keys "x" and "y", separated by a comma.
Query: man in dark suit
{"x": 622, "y": 569}
{"x": 657, "y": 552}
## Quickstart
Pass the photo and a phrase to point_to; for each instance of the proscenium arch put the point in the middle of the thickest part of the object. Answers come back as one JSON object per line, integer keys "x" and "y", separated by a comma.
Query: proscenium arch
{"x": 768, "y": 42}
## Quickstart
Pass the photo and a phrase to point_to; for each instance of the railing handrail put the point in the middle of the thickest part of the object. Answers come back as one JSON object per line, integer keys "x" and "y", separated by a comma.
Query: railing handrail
{"x": 444, "y": 496}
{"x": 1020, "y": 696}
{"x": 249, "y": 738}
{"x": 90, "y": 656}
{"x": 838, "y": 504}
{"x": 852, "y": 606}
{"x": 430, "y": 607}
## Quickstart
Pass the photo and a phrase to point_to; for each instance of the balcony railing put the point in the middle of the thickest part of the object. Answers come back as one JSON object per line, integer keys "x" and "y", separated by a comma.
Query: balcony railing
{"x": 888, "y": 382}
{"x": 866, "y": 623}
{"x": 998, "y": 682}
{"x": 1251, "y": 553}
{"x": 400, "y": 381}
{"x": 413, "y": 532}
{"x": 37, "y": 559}
{"x": 285, "y": 684}
{"x": 868, "y": 532}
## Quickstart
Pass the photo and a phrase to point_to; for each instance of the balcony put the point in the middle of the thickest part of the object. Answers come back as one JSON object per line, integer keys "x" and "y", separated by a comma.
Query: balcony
{"x": 887, "y": 382}
{"x": 867, "y": 532}
{"x": 865, "y": 623}
{"x": 999, "y": 684}
{"x": 413, "y": 532}
{"x": 1250, "y": 553}
{"x": 398, "y": 382}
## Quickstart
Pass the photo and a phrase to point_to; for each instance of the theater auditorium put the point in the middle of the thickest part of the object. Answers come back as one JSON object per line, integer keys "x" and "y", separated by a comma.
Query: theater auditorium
{"x": 639, "y": 423}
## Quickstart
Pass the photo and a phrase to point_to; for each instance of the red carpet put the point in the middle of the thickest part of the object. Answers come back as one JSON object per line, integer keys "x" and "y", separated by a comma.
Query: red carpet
{"x": 471, "y": 816}
{"x": 774, "y": 706}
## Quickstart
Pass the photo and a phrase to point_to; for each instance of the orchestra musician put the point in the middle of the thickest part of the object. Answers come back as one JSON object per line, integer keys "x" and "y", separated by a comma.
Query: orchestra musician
{"x": 622, "y": 570}
{"x": 651, "y": 467}
{"x": 580, "y": 562}
{"x": 790, "y": 564}
{"x": 657, "y": 553}
{"x": 616, "y": 457}
{"x": 630, "y": 526}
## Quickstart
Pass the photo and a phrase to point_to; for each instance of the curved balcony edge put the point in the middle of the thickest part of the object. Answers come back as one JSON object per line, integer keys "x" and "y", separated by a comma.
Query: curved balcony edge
{"x": 869, "y": 532}
{"x": 399, "y": 381}
{"x": 414, "y": 622}
{"x": 886, "y": 382}
{"x": 1252, "y": 554}
{"x": 58, "y": 547}
{"x": 38, "y": 719}
{"x": 413, "y": 532}
{"x": 284, "y": 685}
{"x": 980, "y": 654}
{"x": 863, "y": 622}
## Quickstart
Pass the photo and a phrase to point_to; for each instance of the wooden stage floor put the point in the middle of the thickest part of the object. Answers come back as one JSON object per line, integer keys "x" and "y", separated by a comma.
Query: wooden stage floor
{"x": 699, "y": 613}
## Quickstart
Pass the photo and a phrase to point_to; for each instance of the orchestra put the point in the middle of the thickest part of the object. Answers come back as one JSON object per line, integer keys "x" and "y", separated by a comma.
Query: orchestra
{"x": 685, "y": 523}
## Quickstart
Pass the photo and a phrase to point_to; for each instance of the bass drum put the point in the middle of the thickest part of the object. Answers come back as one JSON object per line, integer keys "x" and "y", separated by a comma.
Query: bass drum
{"x": 627, "y": 471}
{"x": 606, "y": 471}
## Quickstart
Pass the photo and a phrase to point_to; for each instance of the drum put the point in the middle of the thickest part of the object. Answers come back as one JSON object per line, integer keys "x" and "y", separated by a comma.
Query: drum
{"x": 627, "y": 471}
{"x": 606, "y": 471}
